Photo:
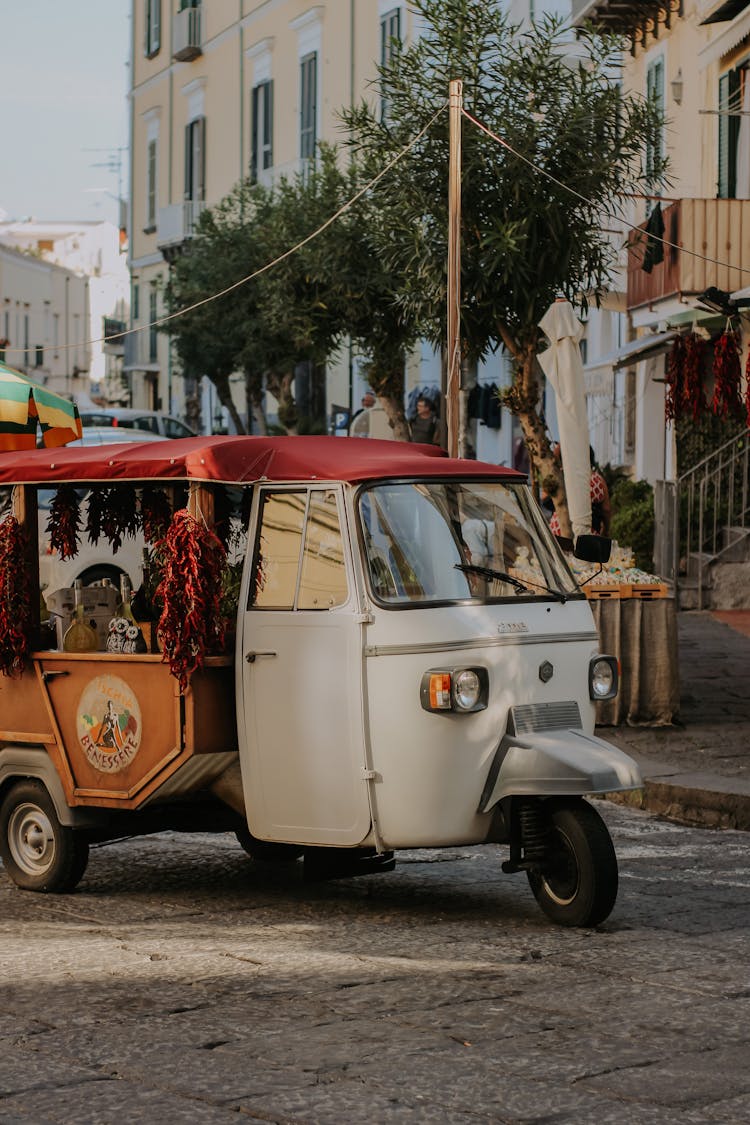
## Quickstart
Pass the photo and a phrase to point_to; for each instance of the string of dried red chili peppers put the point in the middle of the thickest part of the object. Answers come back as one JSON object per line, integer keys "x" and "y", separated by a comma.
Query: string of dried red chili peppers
{"x": 673, "y": 390}
{"x": 15, "y": 601}
{"x": 64, "y": 523}
{"x": 191, "y": 624}
{"x": 693, "y": 396}
{"x": 156, "y": 512}
{"x": 727, "y": 372}
{"x": 113, "y": 513}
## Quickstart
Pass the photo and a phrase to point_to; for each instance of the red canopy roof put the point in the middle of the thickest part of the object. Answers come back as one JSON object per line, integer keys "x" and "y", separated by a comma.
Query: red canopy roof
{"x": 241, "y": 460}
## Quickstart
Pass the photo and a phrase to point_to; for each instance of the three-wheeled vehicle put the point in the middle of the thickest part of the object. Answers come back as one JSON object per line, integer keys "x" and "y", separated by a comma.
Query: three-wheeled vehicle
{"x": 413, "y": 666}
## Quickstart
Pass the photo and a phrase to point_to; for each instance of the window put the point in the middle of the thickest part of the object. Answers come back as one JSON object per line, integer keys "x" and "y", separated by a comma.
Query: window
{"x": 299, "y": 554}
{"x": 655, "y": 146}
{"x": 136, "y": 302}
{"x": 151, "y": 186}
{"x": 153, "y": 27}
{"x": 261, "y": 141}
{"x": 39, "y": 356}
{"x": 195, "y": 160}
{"x": 26, "y": 352}
{"x": 433, "y": 542}
{"x": 153, "y": 314}
{"x": 731, "y": 91}
{"x": 308, "y": 106}
{"x": 390, "y": 40}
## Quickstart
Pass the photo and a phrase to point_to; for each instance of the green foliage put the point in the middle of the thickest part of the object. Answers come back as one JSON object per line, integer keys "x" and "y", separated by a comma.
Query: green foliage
{"x": 524, "y": 237}
{"x": 632, "y": 522}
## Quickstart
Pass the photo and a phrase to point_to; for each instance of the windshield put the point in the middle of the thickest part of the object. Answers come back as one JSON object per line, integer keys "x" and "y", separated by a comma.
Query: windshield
{"x": 452, "y": 541}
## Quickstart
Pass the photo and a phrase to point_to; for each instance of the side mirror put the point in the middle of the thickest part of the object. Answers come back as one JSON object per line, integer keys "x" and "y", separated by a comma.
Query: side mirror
{"x": 593, "y": 548}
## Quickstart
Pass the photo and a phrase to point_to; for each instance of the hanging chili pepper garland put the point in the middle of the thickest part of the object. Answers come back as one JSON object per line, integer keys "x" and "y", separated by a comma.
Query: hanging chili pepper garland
{"x": 64, "y": 523}
{"x": 191, "y": 624}
{"x": 673, "y": 397}
{"x": 112, "y": 513}
{"x": 15, "y": 600}
{"x": 727, "y": 372}
{"x": 156, "y": 512}
{"x": 693, "y": 396}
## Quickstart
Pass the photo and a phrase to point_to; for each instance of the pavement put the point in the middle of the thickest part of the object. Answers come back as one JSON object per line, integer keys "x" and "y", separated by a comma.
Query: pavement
{"x": 697, "y": 771}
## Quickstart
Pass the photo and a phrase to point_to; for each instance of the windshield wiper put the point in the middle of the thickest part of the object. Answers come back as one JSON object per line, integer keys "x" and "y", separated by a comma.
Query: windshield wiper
{"x": 503, "y": 576}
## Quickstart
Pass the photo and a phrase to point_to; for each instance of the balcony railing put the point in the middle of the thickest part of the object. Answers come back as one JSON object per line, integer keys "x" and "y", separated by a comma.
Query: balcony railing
{"x": 705, "y": 232}
{"x": 176, "y": 223}
{"x": 632, "y": 17}
{"x": 186, "y": 34}
{"x": 141, "y": 351}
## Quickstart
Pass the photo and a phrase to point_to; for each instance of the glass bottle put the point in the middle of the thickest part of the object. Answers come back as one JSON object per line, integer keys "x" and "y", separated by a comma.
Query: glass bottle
{"x": 123, "y": 609}
{"x": 79, "y": 636}
{"x": 141, "y": 601}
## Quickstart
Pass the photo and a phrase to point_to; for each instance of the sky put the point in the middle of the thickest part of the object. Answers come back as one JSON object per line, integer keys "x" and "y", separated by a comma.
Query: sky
{"x": 63, "y": 107}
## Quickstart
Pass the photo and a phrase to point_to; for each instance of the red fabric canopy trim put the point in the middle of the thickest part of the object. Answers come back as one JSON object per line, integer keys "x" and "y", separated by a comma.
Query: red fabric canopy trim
{"x": 243, "y": 460}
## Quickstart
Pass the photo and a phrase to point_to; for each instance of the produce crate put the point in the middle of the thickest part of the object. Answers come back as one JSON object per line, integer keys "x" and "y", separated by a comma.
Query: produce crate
{"x": 603, "y": 591}
{"x": 649, "y": 590}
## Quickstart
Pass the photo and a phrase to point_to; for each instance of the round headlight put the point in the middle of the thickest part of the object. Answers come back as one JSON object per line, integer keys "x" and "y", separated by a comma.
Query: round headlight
{"x": 466, "y": 689}
{"x": 602, "y": 679}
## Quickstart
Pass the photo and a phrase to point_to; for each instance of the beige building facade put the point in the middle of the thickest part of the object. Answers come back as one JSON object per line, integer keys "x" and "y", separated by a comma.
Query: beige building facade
{"x": 223, "y": 89}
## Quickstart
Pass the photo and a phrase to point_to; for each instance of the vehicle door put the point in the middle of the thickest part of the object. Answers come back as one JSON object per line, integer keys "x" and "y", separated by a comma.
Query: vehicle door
{"x": 302, "y": 750}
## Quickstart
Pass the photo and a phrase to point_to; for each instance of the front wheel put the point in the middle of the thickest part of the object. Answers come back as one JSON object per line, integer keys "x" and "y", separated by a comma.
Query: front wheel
{"x": 576, "y": 882}
{"x": 39, "y": 853}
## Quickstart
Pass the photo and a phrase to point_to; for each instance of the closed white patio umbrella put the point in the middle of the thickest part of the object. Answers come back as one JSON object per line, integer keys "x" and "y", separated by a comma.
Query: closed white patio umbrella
{"x": 562, "y": 365}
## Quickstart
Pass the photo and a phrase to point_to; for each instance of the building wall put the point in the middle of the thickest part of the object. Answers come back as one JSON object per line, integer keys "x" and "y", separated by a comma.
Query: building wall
{"x": 242, "y": 43}
{"x": 44, "y": 314}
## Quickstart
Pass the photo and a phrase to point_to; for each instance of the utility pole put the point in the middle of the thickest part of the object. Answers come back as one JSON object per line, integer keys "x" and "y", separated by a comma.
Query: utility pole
{"x": 455, "y": 107}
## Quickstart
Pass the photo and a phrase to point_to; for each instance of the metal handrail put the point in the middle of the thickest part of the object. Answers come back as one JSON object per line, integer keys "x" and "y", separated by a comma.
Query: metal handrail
{"x": 709, "y": 498}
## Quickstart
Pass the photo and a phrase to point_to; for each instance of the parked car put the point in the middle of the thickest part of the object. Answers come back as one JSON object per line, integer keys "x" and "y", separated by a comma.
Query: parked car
{"x": 149, "y": 420}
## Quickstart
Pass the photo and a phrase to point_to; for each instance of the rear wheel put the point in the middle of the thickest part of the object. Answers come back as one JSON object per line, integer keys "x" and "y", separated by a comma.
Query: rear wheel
{"x": 576, "y": 882}
{"x": 38, "y": 852}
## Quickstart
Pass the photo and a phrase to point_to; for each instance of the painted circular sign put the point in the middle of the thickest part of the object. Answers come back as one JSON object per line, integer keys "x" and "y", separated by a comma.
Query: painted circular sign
{"x": 109, "y": 723}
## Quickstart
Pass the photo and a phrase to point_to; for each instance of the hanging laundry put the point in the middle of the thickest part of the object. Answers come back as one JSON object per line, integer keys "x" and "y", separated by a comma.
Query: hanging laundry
{"x": 654, "y": 252}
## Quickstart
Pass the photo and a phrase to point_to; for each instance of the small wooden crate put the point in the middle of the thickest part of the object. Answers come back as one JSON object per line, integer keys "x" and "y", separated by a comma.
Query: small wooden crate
{"x": 604, "y": 591}
{"x": 649, "y": 590}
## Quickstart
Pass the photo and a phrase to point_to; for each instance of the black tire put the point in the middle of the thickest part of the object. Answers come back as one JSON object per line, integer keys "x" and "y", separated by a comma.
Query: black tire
{"x": 264, "y": 851}
{"x": 577, "y": 883}
{"x": 39, "y": 853}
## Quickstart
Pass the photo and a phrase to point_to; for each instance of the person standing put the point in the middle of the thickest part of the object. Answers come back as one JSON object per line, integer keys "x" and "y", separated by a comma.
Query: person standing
{"x": 424, "y": 428}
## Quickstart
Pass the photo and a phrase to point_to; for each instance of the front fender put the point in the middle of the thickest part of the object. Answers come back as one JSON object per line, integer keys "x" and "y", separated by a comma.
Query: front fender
{"x": 557, "y": 763}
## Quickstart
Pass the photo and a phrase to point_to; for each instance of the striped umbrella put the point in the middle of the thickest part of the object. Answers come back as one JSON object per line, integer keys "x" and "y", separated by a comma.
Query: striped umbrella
{"x": 24, "y": 405}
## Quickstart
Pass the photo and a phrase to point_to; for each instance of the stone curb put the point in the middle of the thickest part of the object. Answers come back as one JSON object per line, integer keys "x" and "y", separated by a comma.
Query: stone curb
{"x": 702, "y": 808}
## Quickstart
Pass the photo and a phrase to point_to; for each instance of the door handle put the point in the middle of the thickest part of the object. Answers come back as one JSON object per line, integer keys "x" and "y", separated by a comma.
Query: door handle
{"x": 251, "y": 657}
{"x": 47, "y": 676}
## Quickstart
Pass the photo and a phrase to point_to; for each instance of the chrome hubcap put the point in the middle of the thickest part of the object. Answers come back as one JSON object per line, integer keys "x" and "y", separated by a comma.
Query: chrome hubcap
{"x": 31, "y": 839}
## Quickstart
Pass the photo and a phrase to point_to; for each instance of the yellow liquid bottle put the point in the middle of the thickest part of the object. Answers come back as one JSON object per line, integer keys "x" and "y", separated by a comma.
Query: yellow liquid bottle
{"x": 79, "y": 637}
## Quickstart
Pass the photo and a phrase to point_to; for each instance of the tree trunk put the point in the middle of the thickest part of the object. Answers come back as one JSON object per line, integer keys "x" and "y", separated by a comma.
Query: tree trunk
{"x": 224, "y": 391}
{"x": 281, "y": 387}
{"x": 394, "y": 412}
{"x": 254, "y": 403}
{"x": 522, "y": 399}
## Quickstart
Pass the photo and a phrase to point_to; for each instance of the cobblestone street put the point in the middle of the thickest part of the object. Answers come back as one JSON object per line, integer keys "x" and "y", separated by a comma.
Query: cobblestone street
{"x": 184, "y": 983}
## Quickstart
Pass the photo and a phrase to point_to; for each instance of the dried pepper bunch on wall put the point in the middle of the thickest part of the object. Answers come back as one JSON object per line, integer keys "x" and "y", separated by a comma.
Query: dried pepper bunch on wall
{"x": 727, "y": 400}
{"x": 684, "y": 394}
{"x": 156, "y": 512}
{"x": 191, "y": 624}
{"x": 64, "y": 522}
{"x": 112, "y": 513}
{"x": 15, "y": 601}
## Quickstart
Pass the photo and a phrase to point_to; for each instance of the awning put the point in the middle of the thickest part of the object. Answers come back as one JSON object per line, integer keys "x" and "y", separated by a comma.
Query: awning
{"x": 726, "y": 11}
{"x": 634, "y": 352}
{"x": 738, "y": 30}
